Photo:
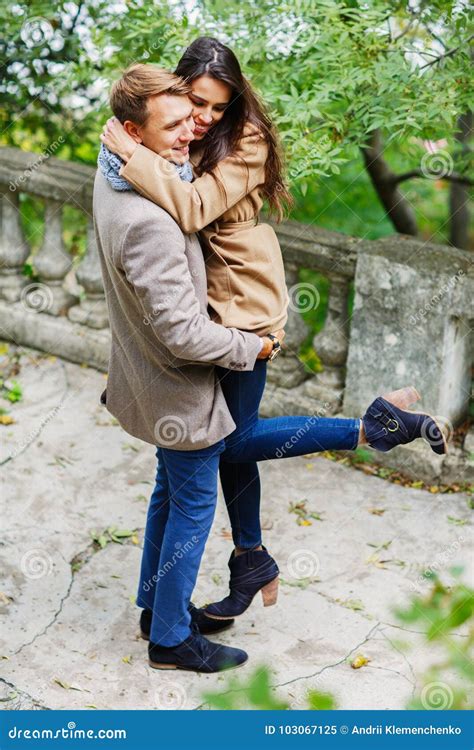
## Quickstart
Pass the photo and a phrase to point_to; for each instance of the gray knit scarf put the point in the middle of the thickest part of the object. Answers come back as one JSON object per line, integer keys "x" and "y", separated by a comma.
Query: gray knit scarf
{"x": 109, "y": 164}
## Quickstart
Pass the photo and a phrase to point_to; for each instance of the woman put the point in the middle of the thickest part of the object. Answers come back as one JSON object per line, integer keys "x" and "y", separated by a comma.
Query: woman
{"x": 237, "y": 163}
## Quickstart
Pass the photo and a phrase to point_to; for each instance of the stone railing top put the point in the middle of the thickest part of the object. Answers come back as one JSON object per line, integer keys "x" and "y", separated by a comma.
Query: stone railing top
{"x": 47, "y": 177}
{"x": 312, "y": 247}
{"x": 426, "y": 257}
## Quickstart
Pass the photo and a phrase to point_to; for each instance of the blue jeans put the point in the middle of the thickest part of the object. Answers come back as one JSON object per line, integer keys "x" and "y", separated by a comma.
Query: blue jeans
{"x": 179, "y": 519}
{"x": 256, "y": 439}
{"x": 183, "y": 502}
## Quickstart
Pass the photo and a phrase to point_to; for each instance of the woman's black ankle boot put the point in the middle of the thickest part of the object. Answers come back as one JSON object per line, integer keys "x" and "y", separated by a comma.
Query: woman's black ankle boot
{"x": 250, "y": 572}
{"x": 387, "y": 425}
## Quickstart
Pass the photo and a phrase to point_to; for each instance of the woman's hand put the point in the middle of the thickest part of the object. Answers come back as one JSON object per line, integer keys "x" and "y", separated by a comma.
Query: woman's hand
{"x": 117, "y": 140}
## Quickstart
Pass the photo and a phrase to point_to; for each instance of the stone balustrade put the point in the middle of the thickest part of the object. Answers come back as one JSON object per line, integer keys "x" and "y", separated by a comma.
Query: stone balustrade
{"x": 412, "y": 320}
{"x": 45, "y": 313}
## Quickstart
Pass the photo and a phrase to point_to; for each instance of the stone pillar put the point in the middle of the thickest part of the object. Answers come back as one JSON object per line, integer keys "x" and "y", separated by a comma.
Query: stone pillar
{"x": 14, "y": 249}
{"x": 411, "y": 325}
{"x": 92, "y": 309}
{"x": 288, "y": 371}
{"x": 51, "y": 264}
{"x": 331, "y": 345}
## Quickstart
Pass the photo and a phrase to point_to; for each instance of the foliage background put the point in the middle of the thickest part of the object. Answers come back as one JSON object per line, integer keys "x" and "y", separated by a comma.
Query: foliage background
{"x": 331, "y": 73}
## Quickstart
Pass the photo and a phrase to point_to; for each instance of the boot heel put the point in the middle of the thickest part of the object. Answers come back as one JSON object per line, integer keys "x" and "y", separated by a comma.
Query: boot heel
{"x": 270, "y": 593}
{"x": 250, "y": 572}
{"x": 404, "y": 397}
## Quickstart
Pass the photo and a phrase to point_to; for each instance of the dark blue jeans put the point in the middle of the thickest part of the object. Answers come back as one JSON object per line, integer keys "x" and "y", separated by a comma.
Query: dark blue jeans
{"x": 183, "y": 502}
{"x": 258, "y": 439}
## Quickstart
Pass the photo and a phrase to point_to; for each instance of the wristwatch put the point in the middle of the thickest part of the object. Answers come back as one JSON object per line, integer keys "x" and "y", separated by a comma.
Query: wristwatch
{"x": 276, "y": 347}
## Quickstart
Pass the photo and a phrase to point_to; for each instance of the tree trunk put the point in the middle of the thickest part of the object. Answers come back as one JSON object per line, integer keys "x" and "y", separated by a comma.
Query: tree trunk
{"x": 459, "y": 194}
{"x": 383, "y": 179}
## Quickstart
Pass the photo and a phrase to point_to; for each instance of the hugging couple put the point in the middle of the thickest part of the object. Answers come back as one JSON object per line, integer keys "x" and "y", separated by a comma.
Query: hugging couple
{"x": 194, "y": 320}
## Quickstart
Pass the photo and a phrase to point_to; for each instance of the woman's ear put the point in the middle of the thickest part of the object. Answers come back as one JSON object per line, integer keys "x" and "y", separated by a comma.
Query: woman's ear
{"x": 133, "y": 131}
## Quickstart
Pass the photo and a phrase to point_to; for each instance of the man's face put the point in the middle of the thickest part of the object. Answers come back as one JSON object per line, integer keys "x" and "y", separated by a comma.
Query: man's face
{"x": 169, "y": 127}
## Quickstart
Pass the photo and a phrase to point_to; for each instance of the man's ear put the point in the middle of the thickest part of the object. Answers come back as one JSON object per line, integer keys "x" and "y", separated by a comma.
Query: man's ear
{"x": 133, "y": 131}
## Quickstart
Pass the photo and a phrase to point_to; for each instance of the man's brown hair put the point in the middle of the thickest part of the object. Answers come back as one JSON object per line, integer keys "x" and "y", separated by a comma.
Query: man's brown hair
{"x": 128, "y": 97}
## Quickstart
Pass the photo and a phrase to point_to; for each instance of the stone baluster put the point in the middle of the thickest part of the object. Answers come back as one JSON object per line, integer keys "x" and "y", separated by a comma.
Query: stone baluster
{"x": 51, "y": 264}
{"x": 331, "y": 345}
{"x": 288, "y": 371}
{"x": 14, "y": 249}
{"x": 92, "y": 309}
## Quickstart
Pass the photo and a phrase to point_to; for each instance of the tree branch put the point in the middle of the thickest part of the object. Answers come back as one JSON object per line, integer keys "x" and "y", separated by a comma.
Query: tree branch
{"x": 396, "y": 205}
{"x": 449, "y": 53}
{"x": 459, "y": 178}
{"x": 458, "y": 192}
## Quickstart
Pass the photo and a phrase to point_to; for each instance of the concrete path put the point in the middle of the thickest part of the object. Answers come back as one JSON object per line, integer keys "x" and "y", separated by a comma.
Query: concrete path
{"x": 69, "y": 637}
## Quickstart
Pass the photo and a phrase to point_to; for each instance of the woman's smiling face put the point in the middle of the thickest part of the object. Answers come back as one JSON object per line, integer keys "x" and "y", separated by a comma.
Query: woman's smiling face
{"x": 209, "y": 98}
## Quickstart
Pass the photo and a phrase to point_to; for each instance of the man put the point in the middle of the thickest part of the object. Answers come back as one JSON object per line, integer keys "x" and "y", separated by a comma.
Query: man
{"x": 161, "y": 385}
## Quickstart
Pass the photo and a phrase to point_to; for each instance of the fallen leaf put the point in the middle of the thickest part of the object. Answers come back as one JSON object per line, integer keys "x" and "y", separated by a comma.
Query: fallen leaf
{"x": 61, "y": 683}
{"x": 457, "y": 521}
{"x": 354, "y": 604}
{"x": 67, "y": 686}
{"x": 374, "y": 560}
{"x": 359, "y": 661}
{"x": 9, "y": 697}
{"x": 377, "y": 511}
{"x": 6, "y": 419}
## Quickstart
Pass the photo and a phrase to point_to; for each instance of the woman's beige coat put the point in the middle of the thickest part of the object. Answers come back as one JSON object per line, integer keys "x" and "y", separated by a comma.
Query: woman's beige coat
{"x": 244, "y": 266}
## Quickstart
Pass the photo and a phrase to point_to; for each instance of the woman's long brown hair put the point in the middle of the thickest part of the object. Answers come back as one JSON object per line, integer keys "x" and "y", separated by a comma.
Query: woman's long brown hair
{"x": 208, "y": 56}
